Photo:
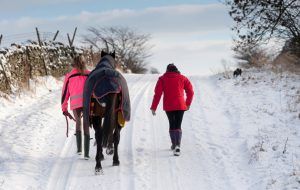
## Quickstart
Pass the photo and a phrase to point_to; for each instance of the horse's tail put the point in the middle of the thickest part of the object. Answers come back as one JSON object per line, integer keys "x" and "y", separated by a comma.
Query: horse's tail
{"x": 110, "y": 120}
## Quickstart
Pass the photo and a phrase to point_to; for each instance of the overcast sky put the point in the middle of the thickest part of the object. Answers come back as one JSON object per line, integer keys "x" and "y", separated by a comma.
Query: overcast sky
{"x": 195, "y": 36}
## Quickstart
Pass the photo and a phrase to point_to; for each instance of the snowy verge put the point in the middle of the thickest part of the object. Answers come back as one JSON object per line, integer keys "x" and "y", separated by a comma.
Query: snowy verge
{"x": 268, "y": 107}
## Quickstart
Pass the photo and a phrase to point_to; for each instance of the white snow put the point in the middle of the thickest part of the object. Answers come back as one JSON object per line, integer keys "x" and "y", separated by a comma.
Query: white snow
{"x": 234, "y": 137}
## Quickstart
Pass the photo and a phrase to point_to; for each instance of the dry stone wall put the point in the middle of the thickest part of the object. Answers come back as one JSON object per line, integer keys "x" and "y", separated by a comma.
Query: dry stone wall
{"x": 20, "y": 63}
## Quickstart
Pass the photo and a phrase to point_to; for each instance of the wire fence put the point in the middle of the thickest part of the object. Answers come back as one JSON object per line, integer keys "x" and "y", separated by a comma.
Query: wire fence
{"x": 24, "y": 38}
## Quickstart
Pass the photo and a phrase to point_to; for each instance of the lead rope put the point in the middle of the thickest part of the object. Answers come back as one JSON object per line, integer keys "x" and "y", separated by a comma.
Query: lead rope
{"x": 67, "y": 133}
{"x": 72, "y": 118}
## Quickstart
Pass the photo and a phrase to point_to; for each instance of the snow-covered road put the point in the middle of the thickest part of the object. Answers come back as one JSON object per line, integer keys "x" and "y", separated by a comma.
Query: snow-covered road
{"x": 35, "y": 153}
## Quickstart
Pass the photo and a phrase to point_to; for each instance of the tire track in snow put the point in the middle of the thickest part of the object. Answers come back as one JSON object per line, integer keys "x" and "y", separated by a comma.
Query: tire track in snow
{"x": 194, "y": 132}
{"x": 128, "y": 137}
{"x": 166, "y": 169}
{"x": 155, "y": 166}
{"x": 61, "y": 171}
{"x": 149, "y": 150}
{"x": 153, "y": 161}
{"x": 62, "y": 168}
{"x": 140, "y": 138}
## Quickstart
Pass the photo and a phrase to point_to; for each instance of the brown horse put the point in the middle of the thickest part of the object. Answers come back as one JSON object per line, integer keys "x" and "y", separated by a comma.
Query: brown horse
{"x": 106, "y": 134}
{"x": 106, "y": 107}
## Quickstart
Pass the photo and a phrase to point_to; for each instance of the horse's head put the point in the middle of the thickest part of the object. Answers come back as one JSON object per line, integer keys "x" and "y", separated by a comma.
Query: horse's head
{"x": 113, "y": 54}
{"x": 107, "y": 60}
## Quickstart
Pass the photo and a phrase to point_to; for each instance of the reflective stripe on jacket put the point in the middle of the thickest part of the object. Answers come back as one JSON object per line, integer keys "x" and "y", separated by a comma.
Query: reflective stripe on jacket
{"x": 173, "y": 85}
{"x": 73, "y": 89}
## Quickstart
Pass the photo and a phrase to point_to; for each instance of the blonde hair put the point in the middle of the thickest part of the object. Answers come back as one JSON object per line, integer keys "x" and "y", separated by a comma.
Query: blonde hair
{"x": 79, "y": 63}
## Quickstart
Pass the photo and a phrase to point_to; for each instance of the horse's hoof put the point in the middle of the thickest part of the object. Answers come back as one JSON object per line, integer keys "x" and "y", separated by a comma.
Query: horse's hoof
{"x": 98, "y": 171}
{"x": 109, "y": 151}
{"x": 116, "y": 163}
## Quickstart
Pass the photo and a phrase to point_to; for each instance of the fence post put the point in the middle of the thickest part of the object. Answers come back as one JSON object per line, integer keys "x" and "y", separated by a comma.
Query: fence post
{"x": 69, "y": 39}
{"x": 38, "y": 36}
{"x": 40, "y": 44}
{"x": 74, "y": 35}
{"x": 70, "y": 43}
{"x": 55, "y": 35}
{"x": 1, "y": 38}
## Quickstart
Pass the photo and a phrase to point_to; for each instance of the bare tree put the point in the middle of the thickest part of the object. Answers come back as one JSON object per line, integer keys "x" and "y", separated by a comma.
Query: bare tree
{"x": 260, "y": 20}
{"x": 248, "y": 55}
{"x": 131, "y": 47}
{"x": 292, "y": 46}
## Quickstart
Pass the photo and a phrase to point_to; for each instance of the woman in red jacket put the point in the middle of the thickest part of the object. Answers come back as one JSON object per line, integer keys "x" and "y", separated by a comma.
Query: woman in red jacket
{"x": 173, "y": 85}
{"x": 73, "y": 90}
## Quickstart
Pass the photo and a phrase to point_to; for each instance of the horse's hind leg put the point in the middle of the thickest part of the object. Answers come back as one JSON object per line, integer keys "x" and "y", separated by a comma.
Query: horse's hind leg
{"x": 116, "y": 161}
{"x": 98, "y": 136}
{"x": 109, "y": 122}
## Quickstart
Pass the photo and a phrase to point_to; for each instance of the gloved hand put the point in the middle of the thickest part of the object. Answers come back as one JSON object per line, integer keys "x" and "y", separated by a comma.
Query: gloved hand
{"x": 153, "y": 112}
{"x": 65, "y": 113}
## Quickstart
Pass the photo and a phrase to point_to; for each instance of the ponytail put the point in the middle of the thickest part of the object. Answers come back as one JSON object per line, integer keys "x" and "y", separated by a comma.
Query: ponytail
{"x": 79, "y": 63}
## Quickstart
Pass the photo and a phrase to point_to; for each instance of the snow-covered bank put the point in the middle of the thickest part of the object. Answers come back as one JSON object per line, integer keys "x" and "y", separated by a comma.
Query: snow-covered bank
{"x": 234, "y": 137}
{"x": 28, "y": 126}
{"x": 266, "y": 107}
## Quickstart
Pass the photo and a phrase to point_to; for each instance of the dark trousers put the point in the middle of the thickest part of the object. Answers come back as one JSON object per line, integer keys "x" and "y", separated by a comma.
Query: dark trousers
{"x": 175, "y": 120}
{"x": 77, "y": 115}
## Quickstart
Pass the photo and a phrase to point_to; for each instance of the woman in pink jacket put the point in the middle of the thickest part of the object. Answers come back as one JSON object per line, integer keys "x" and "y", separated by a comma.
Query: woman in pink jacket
{"x": 73, "y": 90}
{"x": 173, "y": 85}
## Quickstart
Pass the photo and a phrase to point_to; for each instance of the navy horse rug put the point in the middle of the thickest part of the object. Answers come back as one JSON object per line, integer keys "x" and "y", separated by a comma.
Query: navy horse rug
{"x": 106, "y": 98}
{"x": 103, "y": 80}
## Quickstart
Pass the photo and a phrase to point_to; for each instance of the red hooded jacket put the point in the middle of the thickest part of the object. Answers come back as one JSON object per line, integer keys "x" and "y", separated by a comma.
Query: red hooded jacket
{"x": 173, "y": 85}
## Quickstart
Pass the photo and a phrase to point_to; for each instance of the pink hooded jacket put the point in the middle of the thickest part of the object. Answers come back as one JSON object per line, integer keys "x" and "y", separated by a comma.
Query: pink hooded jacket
{"x": 73, "y": 89}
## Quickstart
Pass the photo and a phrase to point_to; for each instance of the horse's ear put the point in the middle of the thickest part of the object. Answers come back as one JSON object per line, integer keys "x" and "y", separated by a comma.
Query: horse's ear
{"x": 103, "y": 53}
{"x": 113, "y": 54}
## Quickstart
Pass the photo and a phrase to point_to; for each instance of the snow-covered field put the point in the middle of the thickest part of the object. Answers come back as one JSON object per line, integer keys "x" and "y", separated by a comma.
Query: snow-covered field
{"x": 241, "y": 133}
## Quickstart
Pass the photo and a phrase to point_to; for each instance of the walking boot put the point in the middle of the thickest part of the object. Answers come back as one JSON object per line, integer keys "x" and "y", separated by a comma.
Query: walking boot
{"x": 176, "y": 151}
{"x": 86, "y": 146}
{"x": 79, "y": 142}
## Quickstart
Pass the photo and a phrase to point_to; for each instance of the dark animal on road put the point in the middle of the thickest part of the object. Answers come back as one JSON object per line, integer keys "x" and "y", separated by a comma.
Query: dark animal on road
{"x": 237, "y": 72}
